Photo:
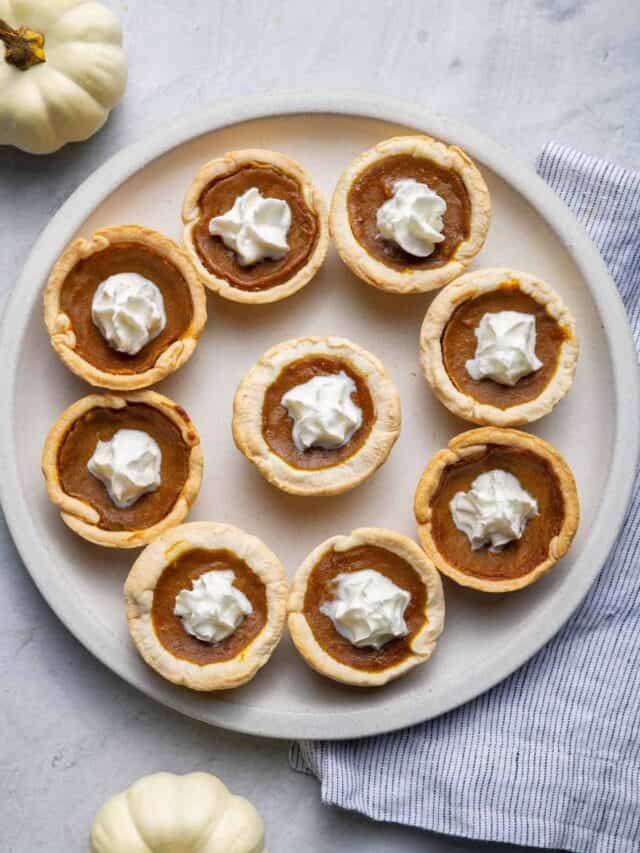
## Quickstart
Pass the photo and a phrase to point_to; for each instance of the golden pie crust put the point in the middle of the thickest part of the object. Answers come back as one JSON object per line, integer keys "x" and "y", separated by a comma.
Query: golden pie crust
{"x": 471, "y": 443}
{"x": 232, "y": 162}
{"x": 143, "y": 579}
{"x": 60, "y": 328}
{"x": 379, "y": 274}
{"x": 422, "y": 644}
{"x": 83, "y": 518}
{"x": 470, "y": 286}
{"x": 248, "y": 419}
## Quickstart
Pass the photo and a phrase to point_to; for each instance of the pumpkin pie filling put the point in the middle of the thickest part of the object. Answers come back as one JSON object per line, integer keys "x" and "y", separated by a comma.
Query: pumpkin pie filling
{"x": 320, "y": 590}
{"x": 81, "y": 283}
{"x": 459, "y": 345}
{"x": 219, "y": 197}
{"x": 277, "y": 424}
{"x": 374, "y": 186}
{"x": 179, "y": 575}
{"x": 520, "y": 556}
{"x": 101, "y": 424}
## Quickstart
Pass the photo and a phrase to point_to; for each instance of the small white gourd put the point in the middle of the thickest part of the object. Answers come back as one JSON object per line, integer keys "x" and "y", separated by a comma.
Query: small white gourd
{"x": 62, "y": 69}
{"x": 164, "y": 812}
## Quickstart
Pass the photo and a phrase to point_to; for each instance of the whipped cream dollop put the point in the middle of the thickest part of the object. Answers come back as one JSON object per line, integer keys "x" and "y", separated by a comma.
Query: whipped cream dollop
{"x": 412, "y": 217}
{"x": 255, "y": 227}
{"x": 128, "y": 465}
{"x": 323, "y": 413}
{"x": 368, "y": 608}
{"x": 506, "y": 348}
{"x": 128, "y": 309}
{"x": 213, "y": 608}
{"x": 494, "y": 511}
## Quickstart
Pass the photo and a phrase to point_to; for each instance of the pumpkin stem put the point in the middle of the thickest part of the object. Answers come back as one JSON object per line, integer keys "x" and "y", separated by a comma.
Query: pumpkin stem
{"x": 24, "y": 47}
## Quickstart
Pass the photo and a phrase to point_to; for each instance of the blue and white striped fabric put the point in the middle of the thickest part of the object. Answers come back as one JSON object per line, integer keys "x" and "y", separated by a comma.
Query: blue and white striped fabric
{"x": 550, "y": 757}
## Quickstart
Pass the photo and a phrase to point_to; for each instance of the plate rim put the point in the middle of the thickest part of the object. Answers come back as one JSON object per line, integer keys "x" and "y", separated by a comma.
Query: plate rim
{"x": 136, "y": 156}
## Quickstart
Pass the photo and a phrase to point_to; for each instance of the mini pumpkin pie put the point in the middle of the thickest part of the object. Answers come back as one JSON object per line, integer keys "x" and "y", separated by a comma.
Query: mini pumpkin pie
{"x": 206, "y": 605}
{"x": 122, "y": 469}
{"x": 255, "y": 226}
{"x": 125, "y": 308}
{"x": 316, "y": 416}
{"x": 499, "y": 347}
{"x": 496, "y": 509}
{"x": 366, "y": 608}
{"x": 410, "y": 214}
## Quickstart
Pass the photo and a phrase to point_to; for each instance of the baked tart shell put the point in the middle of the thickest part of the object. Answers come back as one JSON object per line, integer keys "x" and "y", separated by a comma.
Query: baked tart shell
{"x": 470, "y": 444}
{"x": 60, "y": 328}
{"x": 470, "y": 286}
{"x": 143, "y": 578}
{"x": 423, "y": 643}
{"x": 226, "y": 165}
{"x": 79, "y": 514}
{"x": 248, "y": 426}
{"x": 375, "y": 272}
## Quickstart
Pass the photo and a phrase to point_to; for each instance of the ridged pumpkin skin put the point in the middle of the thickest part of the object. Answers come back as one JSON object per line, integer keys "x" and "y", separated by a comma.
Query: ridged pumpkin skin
{"x": 195, "y": 813}
{"x": 68, "y": 96}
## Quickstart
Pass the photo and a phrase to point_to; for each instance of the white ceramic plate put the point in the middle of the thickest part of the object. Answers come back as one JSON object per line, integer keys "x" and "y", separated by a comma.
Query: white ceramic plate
{"x": 485, "y": 637}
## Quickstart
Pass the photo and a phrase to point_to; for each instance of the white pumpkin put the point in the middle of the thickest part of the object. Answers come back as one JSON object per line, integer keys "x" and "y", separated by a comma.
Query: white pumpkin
{"x": 62, "y": 69}
{"x": 165, "y": 813}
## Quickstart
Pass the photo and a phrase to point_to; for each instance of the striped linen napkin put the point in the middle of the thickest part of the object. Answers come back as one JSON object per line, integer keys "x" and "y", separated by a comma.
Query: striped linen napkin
{"x": 550, "y": 757}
